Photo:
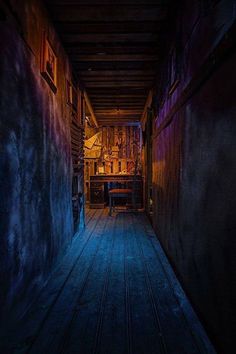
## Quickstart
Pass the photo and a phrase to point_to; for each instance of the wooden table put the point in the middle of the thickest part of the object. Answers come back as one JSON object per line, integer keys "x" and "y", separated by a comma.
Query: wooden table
{"x": 100, "y": 185}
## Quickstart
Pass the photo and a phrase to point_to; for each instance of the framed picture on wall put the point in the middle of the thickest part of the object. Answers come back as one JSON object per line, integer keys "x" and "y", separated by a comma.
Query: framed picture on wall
{"x": 72, "y": 95}
{"x": 49, "y": 64}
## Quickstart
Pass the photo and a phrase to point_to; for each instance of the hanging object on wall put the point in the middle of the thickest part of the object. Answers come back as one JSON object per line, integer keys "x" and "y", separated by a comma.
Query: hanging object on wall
{"x": 93, "y": 146}
{"x": 48, "y": 63}
{"x": 125, "y": 140}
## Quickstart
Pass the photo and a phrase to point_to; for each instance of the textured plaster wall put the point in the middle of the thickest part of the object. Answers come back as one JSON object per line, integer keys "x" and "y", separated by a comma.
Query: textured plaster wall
{"x": 35, "y": 160}
{"x": 194, "y": 163}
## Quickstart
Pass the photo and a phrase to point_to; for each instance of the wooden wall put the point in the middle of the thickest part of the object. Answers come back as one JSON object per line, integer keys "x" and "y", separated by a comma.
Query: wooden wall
{"x": 117, "y": 148}
{"x": 194, "y": 161}
{"x": 77, "y": 154}
{"x": 37, "y": 127}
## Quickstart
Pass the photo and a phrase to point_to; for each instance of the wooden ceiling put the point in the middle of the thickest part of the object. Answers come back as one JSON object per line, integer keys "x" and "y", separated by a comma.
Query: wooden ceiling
{"x": 115, "y": 48}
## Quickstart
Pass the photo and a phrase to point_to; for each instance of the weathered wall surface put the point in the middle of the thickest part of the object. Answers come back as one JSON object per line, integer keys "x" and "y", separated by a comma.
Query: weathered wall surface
{"x": 35, "y": 162}
{"x": 194, "y": 165}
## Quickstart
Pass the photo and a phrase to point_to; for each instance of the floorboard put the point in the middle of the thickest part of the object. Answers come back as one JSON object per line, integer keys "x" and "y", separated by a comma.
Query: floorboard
{"x": 114, "y": 292}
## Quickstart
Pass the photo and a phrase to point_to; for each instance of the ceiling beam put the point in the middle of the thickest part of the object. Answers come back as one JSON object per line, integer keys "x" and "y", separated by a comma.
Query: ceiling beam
{"x": 123, "y": 113}
{"x": 116, "y": 121}
{"x": 120, "y": 102}
{"x": 115, "y": 48}
{"x": 118, "y": 105}
{"x": 118, "y": 79}
{"x": 117, "y": 98}
{"x": 101, "y": 95}
{"x": 161, "y": 3}
{"x": 105, "y": 48}
{"x": 87, "y": 73}
{"x": 110, "y": 65}
{"x": 109, "y": 37}
{"x": 118, "y": 91}
{"x": 141, "y": 84}
{"x": 132, "y": 13}
{"x": 111, "y": 45}
{"x": 116, "y": 102}
{"x": 115, "y": 57}
{"x": 115, "y": 78}
{"x": 120, "y": 123}
{"x": 92, "y": 27}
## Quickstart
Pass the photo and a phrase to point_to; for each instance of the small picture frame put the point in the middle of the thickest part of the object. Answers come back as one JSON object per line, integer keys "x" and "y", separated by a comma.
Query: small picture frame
{"x": 72, "y": 95}
{"x": 101, "y": 170}
{"x": 49, "y": 64}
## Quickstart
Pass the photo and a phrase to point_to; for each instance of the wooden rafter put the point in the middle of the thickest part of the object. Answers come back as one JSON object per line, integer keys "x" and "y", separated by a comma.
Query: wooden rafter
{"x": 115, "y": 49}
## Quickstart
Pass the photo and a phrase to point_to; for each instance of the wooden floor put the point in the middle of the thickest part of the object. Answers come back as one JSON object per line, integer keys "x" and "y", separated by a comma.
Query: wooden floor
{"x": 114, "y": 292}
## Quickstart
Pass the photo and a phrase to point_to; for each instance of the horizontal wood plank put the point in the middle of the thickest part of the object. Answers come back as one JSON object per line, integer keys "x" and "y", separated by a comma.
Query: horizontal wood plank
{"x": 115, "y": 47}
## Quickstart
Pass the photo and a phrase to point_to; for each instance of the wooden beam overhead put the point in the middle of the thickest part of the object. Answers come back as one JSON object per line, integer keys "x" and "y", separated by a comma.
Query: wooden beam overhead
{"x": 104, "y": 48}
{"x": 110, "y": 37}
{"x": 121, "y": 113}
{"x": 104, "y": 73}
{"x": 118, "y": 79}
{"x": 120, "y": 57}
{"x": 131, "y": 13}
{"x": 115, "y": 48}
{"x": 120, "y": 106}
{"x": 111, "y": 65}
{"x": 123, "y": 98}
{"x": 115, "y": 120}
{"x": 92, "y": 27}
{"x": 117, "y": 101}
{"x": 118, "y": 121}
{"x": 118, "y": 84}
{"x": 160, "y": 3}
{"x": 113, "y": 106}
{"x": 118, "y": 91}
{"x": 111, "y": 123}
{"x": 134, "y": 118}
{"x": 108, "y": 95}
{"x": 110, "y": 45}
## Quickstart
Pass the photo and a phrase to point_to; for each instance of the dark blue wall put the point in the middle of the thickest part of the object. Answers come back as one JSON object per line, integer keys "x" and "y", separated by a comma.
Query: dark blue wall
{"x": 35, "y": 164}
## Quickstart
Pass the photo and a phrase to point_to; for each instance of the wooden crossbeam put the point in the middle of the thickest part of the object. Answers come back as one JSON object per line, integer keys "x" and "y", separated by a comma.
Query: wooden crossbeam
{"x": 134, "y": 13}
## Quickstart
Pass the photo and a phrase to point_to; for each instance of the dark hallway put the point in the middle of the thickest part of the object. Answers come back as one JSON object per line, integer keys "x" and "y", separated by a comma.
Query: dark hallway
{"x": 114, "y": 292}
{"x": 117, "y": 176}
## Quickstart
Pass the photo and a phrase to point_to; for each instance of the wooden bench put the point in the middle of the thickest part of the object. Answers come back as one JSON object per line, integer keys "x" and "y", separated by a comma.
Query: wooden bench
{"x": 118, "y": 193}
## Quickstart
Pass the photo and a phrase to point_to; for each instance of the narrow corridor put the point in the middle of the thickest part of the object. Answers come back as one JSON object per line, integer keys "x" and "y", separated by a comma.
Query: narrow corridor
{"x": 113, "y": 292}
{"x": 130, "y": 102}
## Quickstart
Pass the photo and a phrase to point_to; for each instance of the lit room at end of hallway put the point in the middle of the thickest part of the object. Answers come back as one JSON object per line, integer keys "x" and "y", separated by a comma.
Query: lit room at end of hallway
{"x": 117, "y": 176}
